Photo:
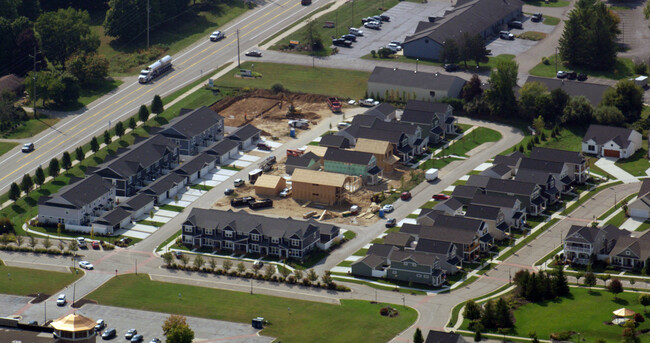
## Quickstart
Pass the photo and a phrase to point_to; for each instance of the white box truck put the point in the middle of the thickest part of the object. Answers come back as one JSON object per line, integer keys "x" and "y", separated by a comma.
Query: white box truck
{"x": 431, "y": 174}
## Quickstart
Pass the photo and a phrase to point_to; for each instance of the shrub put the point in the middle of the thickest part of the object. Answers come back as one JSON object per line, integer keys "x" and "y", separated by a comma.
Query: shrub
{"x": 638, "y": 317}
{"x": 277, "y": 88}
{"x": 561, "y": 336}
{"x": 641, "y": 68}
{"x": 545, "y": 61}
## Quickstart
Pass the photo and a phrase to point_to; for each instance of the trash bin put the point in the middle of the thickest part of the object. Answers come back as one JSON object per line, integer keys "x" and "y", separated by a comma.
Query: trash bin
{"x": 292, "y": 133}
{"x": 381, "y": 213}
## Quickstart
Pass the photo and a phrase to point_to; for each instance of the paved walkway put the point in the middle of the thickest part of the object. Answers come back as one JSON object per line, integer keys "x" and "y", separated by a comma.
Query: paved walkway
{"x": 632, "y": 224}
{"x": 609, "y": 164}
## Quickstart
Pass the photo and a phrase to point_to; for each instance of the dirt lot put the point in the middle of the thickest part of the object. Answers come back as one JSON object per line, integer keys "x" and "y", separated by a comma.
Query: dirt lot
{"x": 267, "y": 111}
{"x": 289, "y": 207}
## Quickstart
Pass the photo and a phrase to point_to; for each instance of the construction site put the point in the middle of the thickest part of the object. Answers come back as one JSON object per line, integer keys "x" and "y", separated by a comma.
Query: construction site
{"x": 270, "y": 112}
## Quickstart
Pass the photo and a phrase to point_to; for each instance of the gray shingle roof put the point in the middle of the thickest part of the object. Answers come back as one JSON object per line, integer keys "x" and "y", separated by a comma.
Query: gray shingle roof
{"x": 592, "y": 91}
{"x": 398, "y": 239}
{"x": 463, "y": 191}
{"x": 79, "y": 193}
{"x": 443, "y": 337}
{"x": 303, "y": 160}
{"x": 494, "y": 200}
{"x": 195, "y": 164}
{"x": 193, "y": 123}
{"x": 372, "y": 261}
{"x": 245, "y": 132}
{"x": 482, "y": 212}
{"x": 498, "y": 169}
{"x": 419, "y": 258}
{"x": 381, "y": 111}
{"x": 557, "y": 155}
{"x": 113, "y": 217}
{"x": 535, "y": 176}
{"x": 334, "y": 141}
{"x": 511, "y": 186}
{"x": 602, "y": 134}
{"x": 382, "y": 250}
{"x": 433, "y": 246}
{"x": 347, "y": 156}
{"x": 140, "y": 156}
{"x": 541, "y": 165}
{"x": 163, "y": 184}
{"x": 221, "y": 147}
{"x": 479, "y": 181}
{"x": 137, "y": 202}
{"x": 409, "y": 78}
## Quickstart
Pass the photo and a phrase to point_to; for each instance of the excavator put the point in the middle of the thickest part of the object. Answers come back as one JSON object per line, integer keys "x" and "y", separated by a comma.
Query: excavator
{"x": 292, "y": 111}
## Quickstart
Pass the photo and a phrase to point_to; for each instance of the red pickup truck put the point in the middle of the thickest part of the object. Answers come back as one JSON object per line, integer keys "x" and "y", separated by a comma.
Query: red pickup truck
{"x": 334, "y": 104}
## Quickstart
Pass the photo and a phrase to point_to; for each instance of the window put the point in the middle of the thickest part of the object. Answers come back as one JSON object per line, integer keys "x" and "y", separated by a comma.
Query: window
{"x": 227, "y": 244}
{"x": 228, "y": 233}
{"x": 274, "y": 251}
{"x": 591, "y": 147}
{"x": 432, "y": 93}
{"x": 187, "y": 239}
{"x": 207, "y": 241}
{"x": 187, "y": 229}
{"x": 315, "y": 194}
{"x": 61, "y": 220}
{"x": 426, "y": 276}
{"x": 209, "y": 232}
{"x": 255, "y": 237}
{"x": 394, "y": 272}
{"x": 295, "y": 242}
{"x": 275, "y": 240}
{"x": 295, "y": 253}
{"x": 419, "y": 275}
{"x": 255, "y": 248}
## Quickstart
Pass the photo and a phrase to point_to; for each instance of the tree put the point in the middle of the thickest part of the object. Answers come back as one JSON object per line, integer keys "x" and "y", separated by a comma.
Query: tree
{"x": 503, "y": 318}
{"x": 23, "y": 46}
{"x": 26, "y": 184}
{"x": 538, "y": 125}
{"x": 9, "y": 8}
{"x": 298, "y": 274}
{"x": 472, "y": 310}
{"x": 79, "y": 154}
{"x": 88, "y": 68}
{"x": 127, "y": 19}
{"x": 472, "y": 89}
{"x": 53, "y": 169}
{"x": 256, "y": 268}
{"x": 476, "y": 50}
{"x": 488, "y": 316}
{"x": 644, "y": 299}
{"x": 119, "y": 129}
{"x": 176, "y": 330}
{"x": 327, "y": 277}
{"x": 29, "y": 8}
{"x": 227, "y": 265}
{"x": 577, "y": 111}
{"x": 39, "y": 176}
{"x": 14, "y": 192}
{"x": 94, "y": 145}
{"x": 241, "y": 268}
{"x": 477, "y": 336}
{"x": 157, "y": 105}
{"x": 185, "y": 260}
{"x": 143, "y": 113}
{"x": 269, "y": 271}
{"x": 312, "y": 276}
{"x": 199, "y": 262}
{"x": 132, "y": 123}
{"x": 627, "y": 97}
{"x": 609, "y": 115}
{"x": 450, "y": 53}
{"x": 417, "y": 336}
{"x": 64, "y": 32}
{"x": 560, "y": 282}
{"x": 590, "y": 279}
{"x": 572, "y": 42}
{"x": 560, "y": 99}
{"x": 168, "y": 258}
{"x": 528, "y": 95}
{"x": 213, "y": 264}
{"x": 66, "y": 161}
{"x": 107, "y": 137}
{"x": 500, "y": 96}
{"x": 615, "y": 287}
{"x": 47, "y": 243}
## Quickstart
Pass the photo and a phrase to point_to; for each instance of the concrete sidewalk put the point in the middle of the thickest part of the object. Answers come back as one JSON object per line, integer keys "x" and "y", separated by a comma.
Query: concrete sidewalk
{"x": 608, "y": 164}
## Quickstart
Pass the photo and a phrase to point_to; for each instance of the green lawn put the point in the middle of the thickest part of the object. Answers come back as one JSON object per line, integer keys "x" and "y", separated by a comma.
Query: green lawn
{"x": 169, "y": 207}
{"x": 532, "y": 35}
{"x": 168, "y": 240}
{"x": 32, "y": 281}
{"x": 73, "y": 234}
{"x": 527, "y": 240}
{"x": 548, "y": 20}
{"x": 31, "y": 128}
{"x": 624, "y": 68}
{"x": 638, "y": 163}
{"x": 354, "y": 320}
{"x": 617, "y": 206}
{"x": 643, "y": 227}
{"x": 583, "y": 311}
{"x": 201, "y": 187}
{"x": 470, "y": 141}
{"x": 360, "y": 252}
{"x": 326, "y": 81}
{"x": 471, "y": 65}
{"x": 168, "y": 38}
{"x": 558, "y": 3}
{"x": 6, "y": 146}
{"x": 203, "y": 80}
{"x": 295, "y": 24}
{"x": 89, "y": 94}
{"x": 587, "y": 197}
{"x": 349, "y": 235}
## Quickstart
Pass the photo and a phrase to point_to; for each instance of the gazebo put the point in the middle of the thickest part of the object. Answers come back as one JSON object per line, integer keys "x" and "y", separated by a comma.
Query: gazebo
{"x": 620, "y": 314}
{"x": 74, "y": 328}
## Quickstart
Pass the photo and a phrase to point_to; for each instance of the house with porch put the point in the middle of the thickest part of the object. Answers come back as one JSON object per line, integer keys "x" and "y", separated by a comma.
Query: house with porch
{"x": 544, "y": 180}
{"x": 416, "y": 267}
{"x": 493, "y": 217}
{"x": 383, "y": 112}
{"x": 630, "y": 252}
{"x": 529, "y": 193}
{"x": 611, "y": 141}
{"x": 640, "y": 207}
{"x": 577, "y": 165}
{"x": 514, "y": 214}
{"x": 559, "y": 170}
{"x": 582, "y": 242}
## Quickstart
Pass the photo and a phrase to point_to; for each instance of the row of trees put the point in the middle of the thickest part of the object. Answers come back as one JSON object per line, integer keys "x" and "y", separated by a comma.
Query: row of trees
{"x": 541, "y": 286}
{"x": 127, "y": 19}
{"x": 493, "y": 315}
{"x": 468, "y": 48}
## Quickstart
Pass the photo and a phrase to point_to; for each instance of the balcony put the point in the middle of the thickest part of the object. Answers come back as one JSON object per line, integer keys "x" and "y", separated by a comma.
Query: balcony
{"x": 577, "y": 249}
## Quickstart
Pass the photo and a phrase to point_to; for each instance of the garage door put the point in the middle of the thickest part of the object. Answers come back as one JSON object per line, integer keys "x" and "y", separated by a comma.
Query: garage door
{"x": 612, "y": 153}
{"x": 638, "y": 213}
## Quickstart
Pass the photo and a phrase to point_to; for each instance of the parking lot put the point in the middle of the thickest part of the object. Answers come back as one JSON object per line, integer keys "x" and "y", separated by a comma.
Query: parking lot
{"x": 404, "y": 18}
{"x": 517, "y": 46}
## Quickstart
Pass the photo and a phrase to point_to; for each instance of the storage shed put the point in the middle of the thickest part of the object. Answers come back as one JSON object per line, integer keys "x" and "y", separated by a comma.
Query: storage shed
{"x": 269, "y": 185}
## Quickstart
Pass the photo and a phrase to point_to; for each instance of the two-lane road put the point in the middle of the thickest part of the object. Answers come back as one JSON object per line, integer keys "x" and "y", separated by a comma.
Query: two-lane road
{"x": 190, "y": 64}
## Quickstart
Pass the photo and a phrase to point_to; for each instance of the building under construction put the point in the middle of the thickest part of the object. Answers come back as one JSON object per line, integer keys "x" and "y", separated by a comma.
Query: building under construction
{"x": 322, "y": 187}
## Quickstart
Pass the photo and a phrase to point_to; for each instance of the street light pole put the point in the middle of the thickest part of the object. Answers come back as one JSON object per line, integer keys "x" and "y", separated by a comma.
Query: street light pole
{"x": 238, "y": 61}
{"x": 556, "y": 59}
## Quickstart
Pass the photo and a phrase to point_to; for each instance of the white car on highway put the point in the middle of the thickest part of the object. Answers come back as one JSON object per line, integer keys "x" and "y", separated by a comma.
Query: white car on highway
{"x": 86, "y": 265}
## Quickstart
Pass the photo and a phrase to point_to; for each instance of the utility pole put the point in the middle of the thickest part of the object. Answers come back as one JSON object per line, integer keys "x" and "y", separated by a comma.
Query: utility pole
{"x": 352, "y": 19}
{"x": 34, "y": 83}
{"x": 238, "y": 60}
{"x": 148, "y": 10}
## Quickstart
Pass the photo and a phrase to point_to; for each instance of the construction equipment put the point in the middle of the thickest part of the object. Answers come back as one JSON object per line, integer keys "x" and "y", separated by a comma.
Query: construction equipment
{"x": 292, "y": 110}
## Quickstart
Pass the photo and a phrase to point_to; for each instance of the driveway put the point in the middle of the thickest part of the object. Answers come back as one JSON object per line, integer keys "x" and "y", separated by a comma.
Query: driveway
{"x": 609, "y": 164}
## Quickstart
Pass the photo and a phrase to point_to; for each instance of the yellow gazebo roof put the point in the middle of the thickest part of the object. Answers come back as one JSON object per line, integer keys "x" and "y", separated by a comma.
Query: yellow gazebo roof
{"x": 623, "y": 312}
{"x": 73, "y": 323}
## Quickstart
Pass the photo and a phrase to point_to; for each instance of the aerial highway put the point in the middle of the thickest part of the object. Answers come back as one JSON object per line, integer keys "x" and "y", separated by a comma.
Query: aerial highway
{"x": 188, "y": 65}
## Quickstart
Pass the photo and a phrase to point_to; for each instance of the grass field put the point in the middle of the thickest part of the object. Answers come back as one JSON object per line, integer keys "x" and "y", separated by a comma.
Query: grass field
{"x": 88, "y": 94}
{"x": 33, "y": 281}
{"x": 471, "y": 65}
{"x": 354, "y": 320}
{"x": 31, "y": 128}
{"x": 540, "y": 3}
{"x": 624, "y": 68}
{"x": 326, "y": 81}
{"x": 638, "y": 163}
{"x": 171, "y": 37}
{"x": 583, "y": 311}
{"x": 6, "y": 146}
{"x": 532, "y": 35}
{"x": 72, "y": 234}
{"x": 475, "y": 138}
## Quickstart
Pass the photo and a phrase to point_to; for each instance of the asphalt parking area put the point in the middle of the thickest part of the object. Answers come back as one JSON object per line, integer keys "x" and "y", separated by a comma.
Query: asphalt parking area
{"x": 404, "y": 18}
{"x": 517, "y": 46}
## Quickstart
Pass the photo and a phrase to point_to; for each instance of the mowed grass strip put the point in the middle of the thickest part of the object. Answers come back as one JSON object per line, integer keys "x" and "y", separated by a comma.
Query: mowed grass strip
{"x": 31, "y": 281}
{"x": 326, "y": 81}
{"x": 6, "y": 146}
{"x": 306, "y": 321}
{"x": 31, "y": 127}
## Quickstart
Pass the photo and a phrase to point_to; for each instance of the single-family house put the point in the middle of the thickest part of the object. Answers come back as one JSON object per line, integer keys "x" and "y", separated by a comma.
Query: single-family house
{"x": 78, "y": 203}
{"x": 514, "y": 214}
{"x": 383, "y": 112}
{"x": 246, "y": 136}
{"x": 576, "y": 163}
{"x": 167, "y": 187}
{"x": 403, "y": 241}
{"x": 193, "y": 129}
{"x": 479, "y": 181}
{"x": 197, "y": 167}
{"x": 398, "y": 140}
{"x": 435, "y": 118}
{"x": 630, "y": 252}
{"x": 269, "y": 185}
{"x": 640, "y": 207}
{"x": 466, "y": 19}
{"x": 444, "y": 337}
{"x": 370, "y": 266}
{"x": 411, "y": 266}
{"x": 319, "y": 187}
{"x": 354, "y": 163}
{"x": 334, "y": 141}
{"x": 242, "y": 232}
{"x": 611, "y": 141}
{"x": 143, "y": 162}
{"x": 582, "y": 243}
{"x": 493, "y": 217}
{"x": 382, "y": 151}
{"x": 592, "y": 91}
{"x": 413, "y": 132}
{"x": 305, "y": 161}
{"x": 465, "y": 194}
{"x": 224, "y": 151}
{"x": 471, "y": 235}
{"x": 510, "y": 160}
{"x": 498, "y": 171}
{"x": 394, "y": 83}
{"x": 447, "y": 252}
{"x": 528, "y": 193}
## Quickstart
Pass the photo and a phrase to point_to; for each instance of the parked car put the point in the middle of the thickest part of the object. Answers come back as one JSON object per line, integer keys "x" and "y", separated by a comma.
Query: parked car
{"x": 239, "y": 182}
{"x": 254, "y": 53}
{"x": 440, "y": 196}
{"x": 243, "y": 201}
{"x": 406, "y": 196}
{"x": 229, "y": 191}
{"x": 61, "y": 301}
{"x": 217, "y": 35}
{"x": 451, "y": 67}
{"x": 305, "y": 2}
{"x": 571, "y": 75}
{"x": 366, "y": 19}
{"x": 157, "y": 340}
{"x": 86, "y": 265}
{"x": 285, "y": 192}
{"x": 377, "y": 18}
{"x": 137, "y": 338}
{"x": 95, "y": 245}
{"x": 263, "y": 146}
{"x": 561, "y": 74}
{"x": 178, "y": 254}
{"x": 393, "y": 46}
{"x": 582, "y": 77}
{"x": 81, "y": 242}
{"x": 537, "y": 17}
{"x": 516, "y": 24}
{"x": 391, "y": 222}
{"x": 100, "y": 325}
{"x": 350, "y": 37}
{"x": 28, "y": 147}
{"x": 129, "y": 334}
{"x": 368, "y": 102}
{"x": 109, "y": 333}
{"x": 388, "y": 208}
{"x": 341, "y": 42}
{"x": 384, "y": 17}
{"x": 372, "y": 25}
{"x": 506, "y": 35}
{"x": 355, "y": 31}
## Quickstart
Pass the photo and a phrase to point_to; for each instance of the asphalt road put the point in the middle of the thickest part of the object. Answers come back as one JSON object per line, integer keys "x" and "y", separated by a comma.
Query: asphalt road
{"x": 200, "y": 58}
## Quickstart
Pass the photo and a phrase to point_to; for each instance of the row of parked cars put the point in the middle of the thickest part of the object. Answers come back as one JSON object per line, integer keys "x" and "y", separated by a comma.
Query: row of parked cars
{"x": 346, "y": 40}
{"x": 571, "y": 75}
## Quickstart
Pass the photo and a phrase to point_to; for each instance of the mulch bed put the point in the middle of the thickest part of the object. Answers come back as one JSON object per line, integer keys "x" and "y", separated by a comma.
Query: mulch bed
{"x": 78, "y": 304}
{"x": 38, "y": 298}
